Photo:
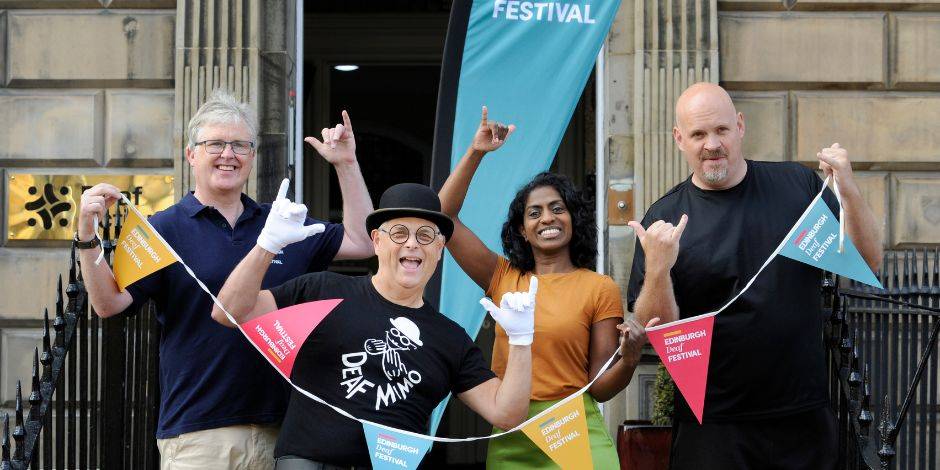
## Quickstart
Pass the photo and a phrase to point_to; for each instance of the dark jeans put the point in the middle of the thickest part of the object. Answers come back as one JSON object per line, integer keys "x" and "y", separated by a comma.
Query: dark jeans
{"x": 290, "y": 462}
{"x": 807, "y": 440}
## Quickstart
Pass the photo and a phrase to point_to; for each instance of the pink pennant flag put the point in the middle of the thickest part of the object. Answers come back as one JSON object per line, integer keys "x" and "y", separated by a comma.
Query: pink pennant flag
{"x": 281, "y": 333}
{"x": 684, "y": 347}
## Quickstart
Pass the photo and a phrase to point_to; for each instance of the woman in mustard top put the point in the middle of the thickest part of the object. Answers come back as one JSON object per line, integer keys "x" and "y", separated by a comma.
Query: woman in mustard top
{"x": 550, "y": 233}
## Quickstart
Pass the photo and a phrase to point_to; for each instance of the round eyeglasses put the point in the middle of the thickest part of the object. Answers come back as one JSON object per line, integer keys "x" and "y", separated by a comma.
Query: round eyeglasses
{"x": 215, "y": 147}
{"x": 400, "y": 234}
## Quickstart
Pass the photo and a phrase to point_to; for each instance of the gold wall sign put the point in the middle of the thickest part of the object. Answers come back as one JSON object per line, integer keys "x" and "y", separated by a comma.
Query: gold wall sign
{"x": 45, "y": 207}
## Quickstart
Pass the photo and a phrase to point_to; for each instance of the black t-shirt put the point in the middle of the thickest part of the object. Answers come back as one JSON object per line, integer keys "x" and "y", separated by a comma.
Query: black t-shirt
{"x": 767, "y": 356}
{"x": 375, "y": 359}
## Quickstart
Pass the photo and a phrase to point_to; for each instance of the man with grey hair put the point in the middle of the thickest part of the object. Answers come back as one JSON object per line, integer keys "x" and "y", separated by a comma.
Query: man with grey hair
{"x": 221, "y": 403}
{"x": 766, "y": 400}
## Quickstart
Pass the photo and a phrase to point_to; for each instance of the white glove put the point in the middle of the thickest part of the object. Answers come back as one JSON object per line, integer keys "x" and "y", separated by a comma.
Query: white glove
{"x": 516, "y": 313}
{"x": 285, "y": 224}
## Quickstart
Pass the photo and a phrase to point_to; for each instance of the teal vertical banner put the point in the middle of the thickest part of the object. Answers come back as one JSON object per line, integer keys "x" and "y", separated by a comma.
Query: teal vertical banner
{"x": 528, "y": 63}
{"x": 390, "y": 450}
{"x": 815, "y": 241}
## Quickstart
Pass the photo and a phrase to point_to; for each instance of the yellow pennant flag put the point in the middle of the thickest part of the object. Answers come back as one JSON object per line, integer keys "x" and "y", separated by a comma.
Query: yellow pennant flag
{"x": 563, "y": 435}
{"x": 140, "y": 250}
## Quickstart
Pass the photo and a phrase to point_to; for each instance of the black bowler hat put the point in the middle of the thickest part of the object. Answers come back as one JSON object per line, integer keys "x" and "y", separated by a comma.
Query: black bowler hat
{"x": 410, "y": 200}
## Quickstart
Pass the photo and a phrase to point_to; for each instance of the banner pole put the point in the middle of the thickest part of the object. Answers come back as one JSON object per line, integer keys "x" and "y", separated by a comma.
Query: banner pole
{"x": 600, "y": 168}
{"x": 600, "y": 155}
{"x": 298, "y": 127}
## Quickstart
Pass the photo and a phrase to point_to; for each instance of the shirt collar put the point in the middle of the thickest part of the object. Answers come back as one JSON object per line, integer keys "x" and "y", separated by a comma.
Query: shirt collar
{"x": 192, "y": 206}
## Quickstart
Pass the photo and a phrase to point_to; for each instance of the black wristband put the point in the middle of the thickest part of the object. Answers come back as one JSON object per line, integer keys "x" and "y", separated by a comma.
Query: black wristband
{"x": 81, "y": 245}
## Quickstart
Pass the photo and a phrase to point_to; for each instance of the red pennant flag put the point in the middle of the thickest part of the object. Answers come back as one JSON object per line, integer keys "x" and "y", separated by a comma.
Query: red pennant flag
{"x": 684, "y": 347}
{"x": 281, "y": 333}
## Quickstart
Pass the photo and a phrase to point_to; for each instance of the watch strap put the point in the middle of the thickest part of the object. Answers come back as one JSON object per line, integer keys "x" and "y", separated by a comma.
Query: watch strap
{"x": 85, "y": 245}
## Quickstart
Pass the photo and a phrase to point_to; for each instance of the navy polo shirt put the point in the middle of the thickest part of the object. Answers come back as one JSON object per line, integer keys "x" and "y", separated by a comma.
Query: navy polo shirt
{"x": 210, "y": 375}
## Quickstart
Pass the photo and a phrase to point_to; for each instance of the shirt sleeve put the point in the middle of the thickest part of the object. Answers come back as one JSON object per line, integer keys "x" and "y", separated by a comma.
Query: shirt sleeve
{"x": 324, "y": 246}
{"x": 609, "y": 303}
{"x": 472, "y": 369}
{"x": 298, "y": 290}
{"x": 502, "y": 269}
{"x": 146, "y": 288}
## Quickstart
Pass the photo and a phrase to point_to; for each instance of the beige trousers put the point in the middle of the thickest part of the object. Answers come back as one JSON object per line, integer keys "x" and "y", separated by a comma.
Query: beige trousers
{"x": 242, "y": 447}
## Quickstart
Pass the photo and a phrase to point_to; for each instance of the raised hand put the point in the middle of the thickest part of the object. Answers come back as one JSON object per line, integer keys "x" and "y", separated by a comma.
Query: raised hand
{"x": 834, "y": 160}
{"x": 95, "y": 201}
{"x": 660, "y": 242}
{"x": 633, "y": 337}
{"x": 491, "y": 135}
{"x": 285, "y": 223}
{"x": 516, "y": 313}
{"x": 339, "y": 143}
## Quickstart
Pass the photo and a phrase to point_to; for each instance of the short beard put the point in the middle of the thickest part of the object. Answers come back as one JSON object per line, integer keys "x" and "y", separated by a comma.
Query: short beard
{"x": 716, "y": 176}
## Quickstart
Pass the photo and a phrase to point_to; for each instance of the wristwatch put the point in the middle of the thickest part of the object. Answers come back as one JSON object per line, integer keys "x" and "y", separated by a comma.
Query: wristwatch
{"x": 82, "y": 245}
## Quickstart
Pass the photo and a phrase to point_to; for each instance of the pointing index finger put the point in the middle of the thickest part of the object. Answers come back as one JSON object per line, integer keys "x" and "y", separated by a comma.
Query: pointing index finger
{"x": 347, "y": 122}
{"x": 533, "y": 286}
{"x": 483, "y": 120}
{"x": 282, "y": 191}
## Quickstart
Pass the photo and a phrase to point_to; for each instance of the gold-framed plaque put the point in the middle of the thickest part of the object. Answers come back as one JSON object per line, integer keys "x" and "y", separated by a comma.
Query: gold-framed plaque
{"x": 45, "y": 207}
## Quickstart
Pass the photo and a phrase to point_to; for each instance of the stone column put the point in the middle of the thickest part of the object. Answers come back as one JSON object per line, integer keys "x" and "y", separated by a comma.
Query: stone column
{"x": 239, "y": 46}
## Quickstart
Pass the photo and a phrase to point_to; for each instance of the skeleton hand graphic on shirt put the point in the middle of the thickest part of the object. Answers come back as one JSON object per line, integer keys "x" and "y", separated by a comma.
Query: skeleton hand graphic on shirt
{"x": 403, "y": 336}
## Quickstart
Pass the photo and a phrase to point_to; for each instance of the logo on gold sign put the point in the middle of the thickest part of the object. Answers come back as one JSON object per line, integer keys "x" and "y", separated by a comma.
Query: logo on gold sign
{"x": 44, "y": 207}
{"x": 48, "y": 206}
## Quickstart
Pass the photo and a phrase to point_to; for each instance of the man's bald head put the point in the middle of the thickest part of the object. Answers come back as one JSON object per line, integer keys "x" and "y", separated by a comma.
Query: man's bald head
{"x": 709, "y": 131}
{"x": 703, "y": 96}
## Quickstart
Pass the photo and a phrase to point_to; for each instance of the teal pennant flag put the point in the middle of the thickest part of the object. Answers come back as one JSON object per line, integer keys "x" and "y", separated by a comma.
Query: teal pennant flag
{"x": 815, "y": 241}
{"x": 393, "y": 450}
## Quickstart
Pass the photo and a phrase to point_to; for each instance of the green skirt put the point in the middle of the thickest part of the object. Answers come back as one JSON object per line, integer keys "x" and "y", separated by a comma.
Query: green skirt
{"x": 516, "y": 451}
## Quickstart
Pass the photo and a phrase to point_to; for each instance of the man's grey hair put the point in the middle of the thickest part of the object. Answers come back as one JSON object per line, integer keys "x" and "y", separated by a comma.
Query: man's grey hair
{"x": 222, "y": 108}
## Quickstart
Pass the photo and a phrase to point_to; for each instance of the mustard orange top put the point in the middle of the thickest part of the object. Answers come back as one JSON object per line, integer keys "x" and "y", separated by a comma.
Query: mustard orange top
{"x": 566, "y": 306}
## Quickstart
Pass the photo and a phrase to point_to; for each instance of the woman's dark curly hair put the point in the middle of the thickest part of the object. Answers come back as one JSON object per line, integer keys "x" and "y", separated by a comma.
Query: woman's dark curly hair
{"x": 583, "y": 245}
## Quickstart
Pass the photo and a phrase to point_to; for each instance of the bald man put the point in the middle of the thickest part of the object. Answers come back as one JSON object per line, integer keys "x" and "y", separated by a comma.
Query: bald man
{"x": 766, "y": 402}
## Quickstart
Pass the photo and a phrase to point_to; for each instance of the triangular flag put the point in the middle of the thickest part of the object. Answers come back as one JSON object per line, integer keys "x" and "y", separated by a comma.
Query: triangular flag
{"x": 140, "y": 250}
{"x": 394, "y": 450}
{"x": 280, "y": 334}
{"x": 814, "y": 240}
{"x": 684, "y": 347}
{"x": 563, "y": 435}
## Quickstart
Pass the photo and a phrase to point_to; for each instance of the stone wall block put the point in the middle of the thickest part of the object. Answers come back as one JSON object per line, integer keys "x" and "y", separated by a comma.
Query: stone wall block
{"x": 776, "y": 5}
{"x": 16, "y": 360}
{"x": 765, "y": 118}
{"x": 35, "y": 291}
{"x": 42, "y": 128}
{"x": 620, "y": 158}
{"x": 880, "y": 130}
{"x": 917, "y": 208}
{"x": 802, "y": 47}
{"x": 619, "y": 94}
{"x": 917, "y": 57}
{"x": 139, "y": 128}
{"x": 90, "y": 48}
{"x": 96, "y": 4}
{"x": 622, "y": 31}
{"x": 3, "y": 44}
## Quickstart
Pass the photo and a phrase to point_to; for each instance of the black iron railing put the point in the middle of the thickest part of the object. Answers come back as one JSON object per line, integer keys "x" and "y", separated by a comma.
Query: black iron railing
{"x": 93, "y": 397}
{"x": 883, "y": 364}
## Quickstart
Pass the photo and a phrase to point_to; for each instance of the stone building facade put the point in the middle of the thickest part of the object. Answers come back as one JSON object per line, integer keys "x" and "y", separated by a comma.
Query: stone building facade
{"x": 106, "y": 87}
